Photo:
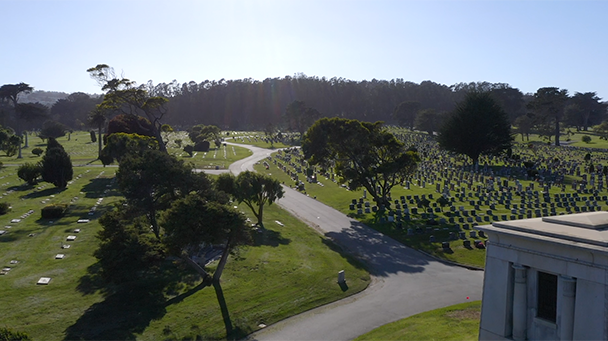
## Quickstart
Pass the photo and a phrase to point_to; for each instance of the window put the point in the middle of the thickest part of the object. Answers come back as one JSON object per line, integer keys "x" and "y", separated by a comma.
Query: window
{"x": 547, "y": 296}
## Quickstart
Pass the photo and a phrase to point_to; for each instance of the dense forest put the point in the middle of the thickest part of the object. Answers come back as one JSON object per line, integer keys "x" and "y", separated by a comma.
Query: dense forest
{"x": 251, "y": 104}
{"x": 248, "y": 104}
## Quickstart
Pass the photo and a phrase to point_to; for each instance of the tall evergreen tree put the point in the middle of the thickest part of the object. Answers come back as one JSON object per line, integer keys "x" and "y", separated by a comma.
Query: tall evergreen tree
{"x": 477, "y": 126}
{"x": 56, "y": 164}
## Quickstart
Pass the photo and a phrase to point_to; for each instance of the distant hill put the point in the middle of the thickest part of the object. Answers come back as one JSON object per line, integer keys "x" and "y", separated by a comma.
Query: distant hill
{"x": 47, "y": 98}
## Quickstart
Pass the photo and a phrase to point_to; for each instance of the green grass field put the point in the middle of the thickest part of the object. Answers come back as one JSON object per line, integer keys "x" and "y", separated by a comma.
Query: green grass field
{"x": 254, "y": 139}
{"x": 458, "y": 322}
{"x": 84, "y": 152}
{"x": 289, "y": 269}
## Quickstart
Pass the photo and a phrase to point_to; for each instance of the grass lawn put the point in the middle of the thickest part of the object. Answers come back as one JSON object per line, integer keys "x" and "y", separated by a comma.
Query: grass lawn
{"x": 575, "y": 140}
{"x": 44, "y": 311}
{"x": 84, "y": 152}
{"x": 254, "y": 139}
{"x": 290, "y": 269}
{"x": 458, "y": 322}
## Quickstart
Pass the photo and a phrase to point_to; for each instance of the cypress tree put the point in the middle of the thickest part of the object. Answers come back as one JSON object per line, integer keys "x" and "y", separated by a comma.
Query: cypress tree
{"x": 56, "y": 164}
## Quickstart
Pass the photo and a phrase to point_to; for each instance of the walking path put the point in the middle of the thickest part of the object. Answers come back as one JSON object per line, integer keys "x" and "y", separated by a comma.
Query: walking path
{"x": 405, "y": 282}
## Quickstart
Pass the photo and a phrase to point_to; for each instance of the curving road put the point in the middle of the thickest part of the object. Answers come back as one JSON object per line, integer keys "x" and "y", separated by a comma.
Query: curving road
{"x": 404, "y": 282}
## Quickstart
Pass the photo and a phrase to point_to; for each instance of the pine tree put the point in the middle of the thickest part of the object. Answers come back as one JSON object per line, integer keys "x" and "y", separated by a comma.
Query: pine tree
{"x": 477, "y": 126}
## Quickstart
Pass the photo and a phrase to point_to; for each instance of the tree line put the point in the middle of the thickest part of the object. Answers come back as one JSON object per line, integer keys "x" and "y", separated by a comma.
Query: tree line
{"x": 248, "y": 104}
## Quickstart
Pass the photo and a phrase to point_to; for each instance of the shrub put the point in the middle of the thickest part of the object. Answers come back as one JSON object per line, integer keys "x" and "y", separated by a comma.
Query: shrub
{"x": 52, "y": 129}
{"x": 424, "y": 203}
{"x": 189, "y": 149}
{"x": 29, "y": 172}
{"x": 37, "y": 151}
{"x": 7, "y": 334}
{"x": 55, "y": 211}
{"x": 56, "y": 165}
{"x": 202, "y": 146}
{"x": 93, "y": 136}
{"x": 586, "y": 139}
{"x": 12, "y": 145}
{"x": 4, "y": 208}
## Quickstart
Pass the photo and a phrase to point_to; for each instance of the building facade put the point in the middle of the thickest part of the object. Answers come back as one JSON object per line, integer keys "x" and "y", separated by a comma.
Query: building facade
{"x": 546, "y": 279}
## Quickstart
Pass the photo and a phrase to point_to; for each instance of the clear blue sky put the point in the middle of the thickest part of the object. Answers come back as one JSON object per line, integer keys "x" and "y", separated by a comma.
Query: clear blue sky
{"x": 528, "y": 44}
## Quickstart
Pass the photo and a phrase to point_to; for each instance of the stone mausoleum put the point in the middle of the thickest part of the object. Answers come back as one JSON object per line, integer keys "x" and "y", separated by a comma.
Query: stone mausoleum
{"x": 546, "y": 279}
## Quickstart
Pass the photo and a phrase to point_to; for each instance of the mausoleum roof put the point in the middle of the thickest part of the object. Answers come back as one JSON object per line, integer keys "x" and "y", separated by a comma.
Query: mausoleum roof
{"x": 590, "y": 228}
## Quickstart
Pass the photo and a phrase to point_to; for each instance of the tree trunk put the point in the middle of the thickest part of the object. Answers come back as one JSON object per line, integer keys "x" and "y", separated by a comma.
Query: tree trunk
{"x": 26, "y": 141}
{"x": 556, "y": 132}
{"x": 219, "y": 293}
{"x": 260, "y": 215}
{"x": 206, "y": 276}
{"x": 224, "y": 259}
{"x": 154, "y": 223}
{"x": 99, "y": 141}
{"x": 20, "y": 136}
{"x": 161, "y": 145}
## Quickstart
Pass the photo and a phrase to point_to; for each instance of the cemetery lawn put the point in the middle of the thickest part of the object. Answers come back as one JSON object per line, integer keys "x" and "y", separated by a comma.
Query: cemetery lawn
{"x": 83, "y": 152}
{"x": 254, "y": 139}
{"x": 339, "y": 198}
{"x": 290, "y": 269}
{"x": 457, "y": 322}
{"x": 560, "y": 180}
{"x": 43, "y": 311}
{"x": 575, "y": 140}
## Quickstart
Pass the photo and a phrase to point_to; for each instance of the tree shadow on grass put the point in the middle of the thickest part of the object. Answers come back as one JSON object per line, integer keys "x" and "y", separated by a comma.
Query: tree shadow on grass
{"x": 120, "y": 316}
{"x": 44, "y": 193}
{"x": 269, "y": 237}
{"x": 19, "y": 232}
{"x": 96, "y": 188}
{"x": 21, "y": 188}
{"x": 128, "y": 309}
{"x": 338, "y": 249}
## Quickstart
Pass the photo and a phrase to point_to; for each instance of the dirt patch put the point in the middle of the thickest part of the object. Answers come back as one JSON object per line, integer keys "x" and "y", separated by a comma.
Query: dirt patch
{"x": 466, "y": 314}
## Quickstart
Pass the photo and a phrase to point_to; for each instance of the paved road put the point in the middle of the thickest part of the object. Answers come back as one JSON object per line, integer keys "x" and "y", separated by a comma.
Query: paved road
{"x": 404, "y": 281}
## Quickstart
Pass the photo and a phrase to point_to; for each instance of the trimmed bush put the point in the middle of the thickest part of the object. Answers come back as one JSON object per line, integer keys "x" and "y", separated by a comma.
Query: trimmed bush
{"x": 4, "y": 208}
{"x": 37, "y": 151}
{"x": 189, "y": 149}
{"x": 93, "y": 136}
{"x": 202, "y": 146}
{"x": 586, "y": 139}
{"x": 29, "y": 172}
{"x": 55, "y": 211}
